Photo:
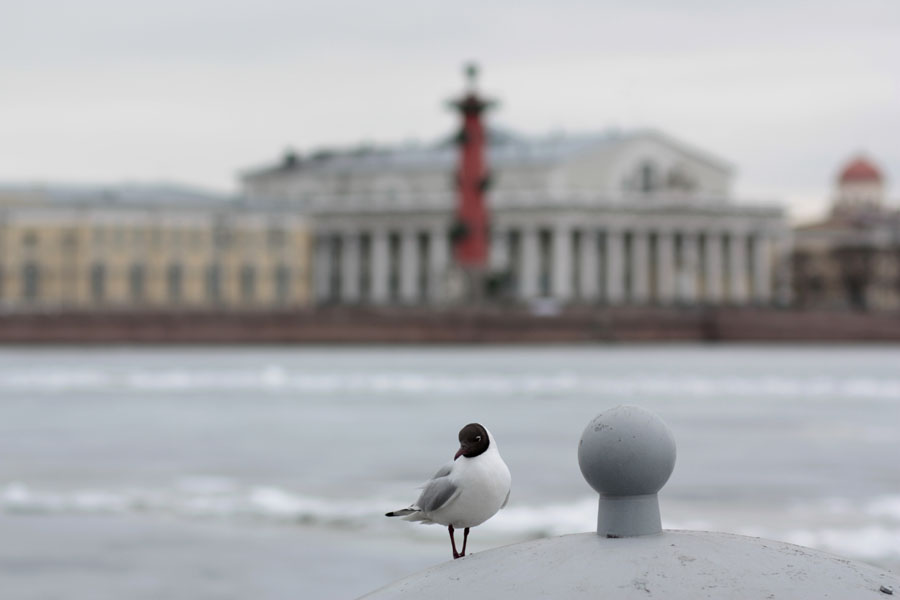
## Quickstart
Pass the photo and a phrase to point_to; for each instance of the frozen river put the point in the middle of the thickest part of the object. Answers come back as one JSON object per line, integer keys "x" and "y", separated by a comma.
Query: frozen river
{"x": 264, "y": 472}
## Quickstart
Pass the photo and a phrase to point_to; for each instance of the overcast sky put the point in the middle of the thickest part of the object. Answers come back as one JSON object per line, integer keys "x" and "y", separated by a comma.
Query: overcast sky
{"x": 193, "y": 91}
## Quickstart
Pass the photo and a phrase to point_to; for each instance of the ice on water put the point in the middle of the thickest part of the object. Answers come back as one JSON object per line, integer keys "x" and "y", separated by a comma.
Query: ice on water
{"x": 795, "y": 443}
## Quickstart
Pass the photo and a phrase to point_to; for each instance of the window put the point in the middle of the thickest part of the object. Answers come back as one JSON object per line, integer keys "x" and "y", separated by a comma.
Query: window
{"x": 69, "y": 242}
{"x": 222, "y": 235}
{"x": 653, "y": 266}
{"x": 214, "y": 283}
{"x": 394, "y": 266}
{"x": 578, "y": 290}
{"x": 282, "y": 284}
{"x": 545, "y": 251}
{"x": 514, "y": 243}
{"x": 424, "y": 253}
{"x": 248, "y": 283}
{"x": 336, "y": 253}
{"x": 174, "y": 277}
{"x": 98, "y": 282}
{"x": 679, "y": 179}
{"x": 275, "y": 237}
{"x": 647, "y": 177}
{"x": 628, "y": 279}
{"x": 196, "y": 238}
{"x": 137, "y": 282}
{"x": 602, "y": 250}
{"x": 31, "y": 281}
{"x": 365, "y": 267}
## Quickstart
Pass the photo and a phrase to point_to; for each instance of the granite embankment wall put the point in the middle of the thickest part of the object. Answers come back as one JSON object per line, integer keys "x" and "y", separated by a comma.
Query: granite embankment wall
{"x": 488, "y": 325}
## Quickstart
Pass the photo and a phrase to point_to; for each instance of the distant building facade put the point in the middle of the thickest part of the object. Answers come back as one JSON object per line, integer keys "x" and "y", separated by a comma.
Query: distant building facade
{"x": 851, "y": 259}
{"x": 603, "y": 219}
{"x": 152, "y": 248}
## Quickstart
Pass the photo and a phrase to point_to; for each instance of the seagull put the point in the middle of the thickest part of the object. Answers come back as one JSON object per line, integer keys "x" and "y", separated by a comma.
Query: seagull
{"x": 465, "y": 492}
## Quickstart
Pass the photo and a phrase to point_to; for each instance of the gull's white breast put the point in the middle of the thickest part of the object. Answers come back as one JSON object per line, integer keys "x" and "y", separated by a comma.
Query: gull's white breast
{"x": 483, "y": 483}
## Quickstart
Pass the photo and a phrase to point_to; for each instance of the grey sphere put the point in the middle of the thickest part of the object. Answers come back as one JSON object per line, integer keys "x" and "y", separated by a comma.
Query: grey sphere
{"x": 626, "y": 451}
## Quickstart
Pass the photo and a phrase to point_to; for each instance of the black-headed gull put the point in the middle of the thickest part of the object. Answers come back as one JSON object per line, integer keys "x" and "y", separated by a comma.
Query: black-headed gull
{"x": 466, "y": 492}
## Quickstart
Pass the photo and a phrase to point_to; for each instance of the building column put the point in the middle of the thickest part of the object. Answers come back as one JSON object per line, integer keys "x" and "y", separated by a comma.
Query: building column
{"x": 499, "y": 252}
{"x": 590, "y": 284}
{"x": 439, "y": 255}
{"x": 762, "y": 269}
{"x": 409, "y": 267}
{"x": 562, "y": 263}
{"x": 640, "y": 267}
{"x": 615, "y": 288}
{"x": 737, "y": 264}
{"x": 665, "y": 267}
{"x": 783, "y": 284}
{"x": 322, "y": 268}
{"x": 687, "y": 275}
{"x": 528, "y": 277}
{"x": 713, "y": 268}
{"x": 350, "y": 268}
{"x": 379, "y": 266}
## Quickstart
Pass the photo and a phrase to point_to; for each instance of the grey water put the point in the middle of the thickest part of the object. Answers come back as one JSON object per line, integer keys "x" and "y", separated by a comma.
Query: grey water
{"x": 264, "y": 472}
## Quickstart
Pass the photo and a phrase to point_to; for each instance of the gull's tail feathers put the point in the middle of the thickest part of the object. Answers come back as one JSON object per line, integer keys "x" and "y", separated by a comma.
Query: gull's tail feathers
{"x": 412, "y": 513}
{"x": 402, "y": 512}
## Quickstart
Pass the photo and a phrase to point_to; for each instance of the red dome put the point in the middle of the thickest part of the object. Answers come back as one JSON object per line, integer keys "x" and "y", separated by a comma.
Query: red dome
{"x": 860, "y": 169}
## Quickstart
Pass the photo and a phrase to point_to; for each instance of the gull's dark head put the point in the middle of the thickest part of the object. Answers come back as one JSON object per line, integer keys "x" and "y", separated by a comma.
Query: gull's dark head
{"x": 473, "y": 440}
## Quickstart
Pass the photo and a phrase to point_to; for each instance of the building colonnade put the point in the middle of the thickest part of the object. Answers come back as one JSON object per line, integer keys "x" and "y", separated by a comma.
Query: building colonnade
{"x": 381, "y": 264}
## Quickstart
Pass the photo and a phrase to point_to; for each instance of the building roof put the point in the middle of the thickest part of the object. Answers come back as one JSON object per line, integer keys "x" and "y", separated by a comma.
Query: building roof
{"x": 853, "y": 222}
{"x": 121, "y": 195}
{"x": 505, "y": 149}
{"x": 858, "y": 170}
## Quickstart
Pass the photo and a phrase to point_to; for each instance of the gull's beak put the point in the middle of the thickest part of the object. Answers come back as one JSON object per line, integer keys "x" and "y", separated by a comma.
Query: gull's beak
{"x": 459, "y": 452}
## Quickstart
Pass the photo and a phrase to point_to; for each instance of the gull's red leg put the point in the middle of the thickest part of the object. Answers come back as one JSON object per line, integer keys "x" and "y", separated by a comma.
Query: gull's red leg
{"x": 453, "y": 541}
{"x": 465, "y": 539}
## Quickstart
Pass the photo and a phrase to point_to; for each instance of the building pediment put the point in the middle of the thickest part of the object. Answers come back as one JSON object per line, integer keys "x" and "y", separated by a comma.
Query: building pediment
{"x": 610, "y": 163}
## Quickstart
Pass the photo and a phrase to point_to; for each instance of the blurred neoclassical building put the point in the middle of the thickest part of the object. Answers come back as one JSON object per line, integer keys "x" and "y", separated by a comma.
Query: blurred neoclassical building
{"x": 617, "y": 218}
{"x": 146, "y": 248}
{"x": 851, "y": 259}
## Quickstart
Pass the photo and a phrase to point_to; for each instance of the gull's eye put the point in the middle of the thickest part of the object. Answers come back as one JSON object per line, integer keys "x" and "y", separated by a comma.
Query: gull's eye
{"x": 477, "y": 438}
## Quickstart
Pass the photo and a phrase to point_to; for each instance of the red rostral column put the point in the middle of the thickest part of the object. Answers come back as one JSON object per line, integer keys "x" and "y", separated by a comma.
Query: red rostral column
{"x": 470, "y": 232}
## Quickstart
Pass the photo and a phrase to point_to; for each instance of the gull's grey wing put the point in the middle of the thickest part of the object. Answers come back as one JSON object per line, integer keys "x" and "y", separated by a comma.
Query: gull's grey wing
{"x": 443, "y": 471}
{"x": 437, "y": 493}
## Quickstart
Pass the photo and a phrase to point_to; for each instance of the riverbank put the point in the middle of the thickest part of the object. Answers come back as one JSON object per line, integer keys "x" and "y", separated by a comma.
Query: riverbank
{"x": 464, "y": 326}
